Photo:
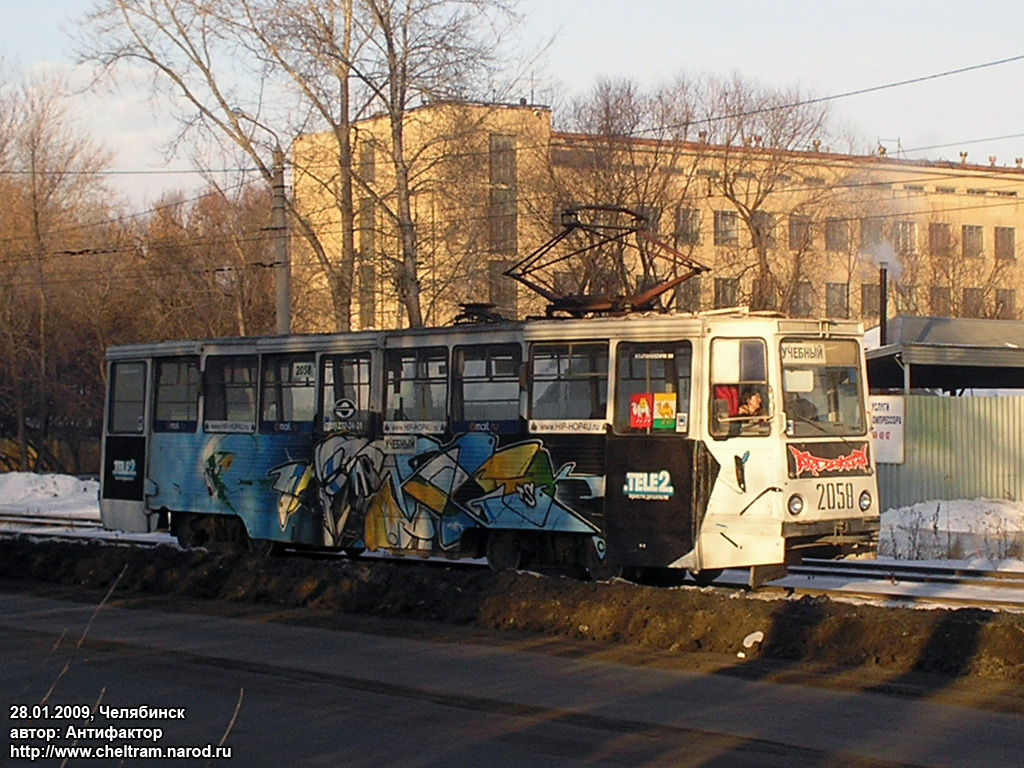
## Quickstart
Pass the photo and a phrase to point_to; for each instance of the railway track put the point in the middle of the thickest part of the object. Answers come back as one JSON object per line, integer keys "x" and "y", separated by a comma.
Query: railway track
{"x": 884, "y": 582}
{"x": 11, "y": 519}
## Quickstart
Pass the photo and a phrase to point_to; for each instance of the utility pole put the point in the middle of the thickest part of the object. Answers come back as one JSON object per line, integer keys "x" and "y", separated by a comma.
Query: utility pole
{"x": 282, "y": 258}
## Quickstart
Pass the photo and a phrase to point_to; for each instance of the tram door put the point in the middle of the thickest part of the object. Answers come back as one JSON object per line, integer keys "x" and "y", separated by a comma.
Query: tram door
{"x": 649, "y": 459}
{"x": 122, "y": 501}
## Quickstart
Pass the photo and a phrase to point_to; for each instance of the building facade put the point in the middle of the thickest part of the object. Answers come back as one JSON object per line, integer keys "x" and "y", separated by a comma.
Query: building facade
{"x": 806, "y": 232}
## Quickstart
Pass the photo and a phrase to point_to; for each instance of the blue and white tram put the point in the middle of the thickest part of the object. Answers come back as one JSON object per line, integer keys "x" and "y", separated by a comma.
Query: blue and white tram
{"x": 602, "y": 443}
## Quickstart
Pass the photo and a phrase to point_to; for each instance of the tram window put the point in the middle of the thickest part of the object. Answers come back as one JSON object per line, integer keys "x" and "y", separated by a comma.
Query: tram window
{"x": 345, "y": 395}
{"x": 127, "y": 397}
{"x": 652, "y": 391}
{"x": 569, "y": 381}
{"x": 229, "y": 388}
{"x": 485, "y": 385}
{"x": 416, "y": 383}
{"x": 739, "y": 371}
{"x": 288, "y": 395}
{"x": 177, "y": 395}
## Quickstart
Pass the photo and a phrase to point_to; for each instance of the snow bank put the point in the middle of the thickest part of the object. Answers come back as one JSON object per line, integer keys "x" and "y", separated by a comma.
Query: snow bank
{"x": 29, "y": 493}
{"x": 987, "y": 530}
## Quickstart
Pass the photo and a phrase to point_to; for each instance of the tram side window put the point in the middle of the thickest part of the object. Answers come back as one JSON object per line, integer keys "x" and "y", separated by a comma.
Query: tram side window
{"x": 127, "y": 398}
{"x": 345, "y": 397}
{"x": 740, "y": 397}
{"x": 485, "y": 386}
{"x": 569, "y": 381}
{"x": 177, "y": 395}
{"x": 229, "y": 388}
{"x": 652, "y": 392}
{"x": 416, "y": 387}
{"x": 288, "y": 394}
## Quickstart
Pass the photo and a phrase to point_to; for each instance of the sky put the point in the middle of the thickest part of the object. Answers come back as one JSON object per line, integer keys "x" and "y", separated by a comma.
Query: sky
{"x": 824, "y": 47}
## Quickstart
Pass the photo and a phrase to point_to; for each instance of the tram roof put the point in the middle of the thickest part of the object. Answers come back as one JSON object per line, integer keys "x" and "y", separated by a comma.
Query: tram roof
{"x": 634, "y": 326}
{"x": 948, "y": 353}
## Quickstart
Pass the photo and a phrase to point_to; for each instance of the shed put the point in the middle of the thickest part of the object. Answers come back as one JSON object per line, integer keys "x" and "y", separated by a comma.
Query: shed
{"x": 948, "y": 353}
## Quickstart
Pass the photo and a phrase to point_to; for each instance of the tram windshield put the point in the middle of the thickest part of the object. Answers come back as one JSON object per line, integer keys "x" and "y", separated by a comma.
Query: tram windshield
{"x": 821, "y": 387}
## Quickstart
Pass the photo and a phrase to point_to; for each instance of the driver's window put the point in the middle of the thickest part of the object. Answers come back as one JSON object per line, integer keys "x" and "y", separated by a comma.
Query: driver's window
{"x": 740, "y": 396}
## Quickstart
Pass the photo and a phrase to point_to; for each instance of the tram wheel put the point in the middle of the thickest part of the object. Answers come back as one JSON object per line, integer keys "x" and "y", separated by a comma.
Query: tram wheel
{"x": 503, "y": 551}
{"x": 706, "y": 577}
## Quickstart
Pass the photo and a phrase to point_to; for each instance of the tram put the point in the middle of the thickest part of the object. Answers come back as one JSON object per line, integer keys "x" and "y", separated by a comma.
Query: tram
{"x": 599, "y": 443}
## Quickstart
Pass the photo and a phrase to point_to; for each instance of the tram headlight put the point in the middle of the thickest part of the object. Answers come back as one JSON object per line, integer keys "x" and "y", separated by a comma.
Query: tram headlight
{"x": 795, "y": 505}
{"x": 864, "y": 501}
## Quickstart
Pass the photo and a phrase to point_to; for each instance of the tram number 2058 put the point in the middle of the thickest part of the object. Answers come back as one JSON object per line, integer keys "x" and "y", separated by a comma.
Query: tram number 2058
{"x": 835, "y": 495}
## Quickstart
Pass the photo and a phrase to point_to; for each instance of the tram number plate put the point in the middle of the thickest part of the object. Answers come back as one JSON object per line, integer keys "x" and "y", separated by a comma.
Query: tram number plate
{"x": 835, "y": 495}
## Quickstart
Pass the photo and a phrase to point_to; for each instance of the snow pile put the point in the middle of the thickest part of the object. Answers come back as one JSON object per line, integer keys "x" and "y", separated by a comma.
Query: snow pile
{"x": 990, "y": 530}
{"x": 27, "y": 493}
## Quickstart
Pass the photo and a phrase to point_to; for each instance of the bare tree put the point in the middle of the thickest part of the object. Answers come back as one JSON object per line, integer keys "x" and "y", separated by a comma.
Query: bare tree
{"x": 624, "y": 148}
{"x": 233, "y": 66}
{"x": 51, "y": 192}
{"x": 756, "y": 136}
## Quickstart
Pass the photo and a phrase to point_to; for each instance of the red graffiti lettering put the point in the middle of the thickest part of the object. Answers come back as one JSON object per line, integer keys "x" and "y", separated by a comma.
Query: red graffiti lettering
{"x": 806, "y": 462}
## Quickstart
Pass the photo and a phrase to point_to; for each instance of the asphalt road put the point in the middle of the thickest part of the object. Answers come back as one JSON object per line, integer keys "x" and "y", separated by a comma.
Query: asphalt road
{"x": 312, "y": 697}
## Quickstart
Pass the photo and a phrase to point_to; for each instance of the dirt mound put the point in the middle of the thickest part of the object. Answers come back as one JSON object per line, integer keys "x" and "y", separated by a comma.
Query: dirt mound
{"x": 951, "y": 643}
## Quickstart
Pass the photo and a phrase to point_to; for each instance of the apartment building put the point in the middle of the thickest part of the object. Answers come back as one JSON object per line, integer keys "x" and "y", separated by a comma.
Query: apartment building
{"x": 806, "y": 231}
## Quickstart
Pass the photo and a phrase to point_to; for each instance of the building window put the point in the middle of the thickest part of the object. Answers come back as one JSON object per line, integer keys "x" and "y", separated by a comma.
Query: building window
{"x": 837, "y": 235}
{"x": 973, "y": 302}
{"x": 726, "y": 228}
{"x": 1005, "y": 304}
{"x": 939, "y": 301}
{"x": 799, "y": 232}
{"x": 905, "y": 237}
{"x": 837, "y": 300}
{"x": 869, "y": 299}
{"x": 727, "y": 292}
{"x": 367, "y": 273}
{"x": 688, "y": 295}
{"x": 762, "y": 226}
{"x": 652, "y": 218}
{"x": 687, "y": 231}
{"x": 367, "y": 170}
{"x": 501, "y": 209}
{"x": 803, "y": 299}
{"x": 1006, "y": 247}
{"x": 501, "y": 218}
{"x": 871, "y": 233}
{"x": 367, "y": 295}
{"x": 972, "y": 241}
{"x": 502, "y": 159}
{"x": 501, "y": 289}
{"x": 940, "y": 238}
{"x": 367, "y": 228}
{"x": 906, "y": 298}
